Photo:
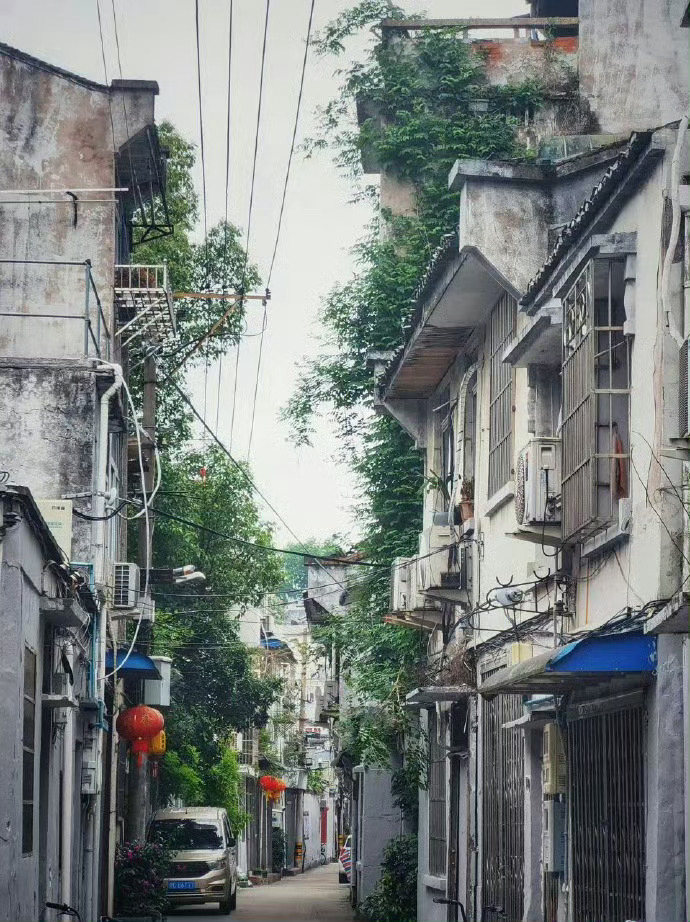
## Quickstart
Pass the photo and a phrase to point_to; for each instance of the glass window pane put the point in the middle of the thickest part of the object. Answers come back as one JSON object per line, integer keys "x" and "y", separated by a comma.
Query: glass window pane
{"x": 29, "y": 673}
{"x": 28, "y": 776}
{"x": 27, "y": 829}
{"x": 29, "y": 723}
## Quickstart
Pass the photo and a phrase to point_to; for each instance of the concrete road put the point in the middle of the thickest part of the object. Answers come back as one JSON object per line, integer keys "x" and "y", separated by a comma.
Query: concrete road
{"x": 315, "y": 896}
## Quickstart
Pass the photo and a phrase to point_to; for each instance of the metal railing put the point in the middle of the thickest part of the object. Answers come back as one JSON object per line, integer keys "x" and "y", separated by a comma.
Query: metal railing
{"x": 95, "y": 322}
{"x": 144, "y": 302}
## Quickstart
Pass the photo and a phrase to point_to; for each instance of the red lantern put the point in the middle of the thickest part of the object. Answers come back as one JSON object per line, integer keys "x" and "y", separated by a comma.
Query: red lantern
{"x": 138, "y": 725}
{"x": 272, "y": 786}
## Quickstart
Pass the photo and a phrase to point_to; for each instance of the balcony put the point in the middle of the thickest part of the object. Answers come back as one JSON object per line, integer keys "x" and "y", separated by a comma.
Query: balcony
{"x": 144, "y": 304}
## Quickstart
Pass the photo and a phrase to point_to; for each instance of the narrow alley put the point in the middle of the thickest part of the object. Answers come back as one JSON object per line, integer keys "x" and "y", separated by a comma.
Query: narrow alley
{"x": 315, "y": 895}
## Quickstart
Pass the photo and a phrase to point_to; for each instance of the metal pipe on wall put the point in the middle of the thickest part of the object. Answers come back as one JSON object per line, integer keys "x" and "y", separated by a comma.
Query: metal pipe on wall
{"x": 67, "y": 796}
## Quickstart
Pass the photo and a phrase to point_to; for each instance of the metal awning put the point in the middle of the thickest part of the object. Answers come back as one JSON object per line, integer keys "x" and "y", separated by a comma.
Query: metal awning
{"x": 590, "y": 659}
{"x": 429, "y": 695}
{"x": 136, "y": 666}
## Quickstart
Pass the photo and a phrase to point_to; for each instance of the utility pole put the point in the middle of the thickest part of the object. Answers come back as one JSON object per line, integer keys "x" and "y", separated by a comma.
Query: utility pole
{"x": 139, "y": 792}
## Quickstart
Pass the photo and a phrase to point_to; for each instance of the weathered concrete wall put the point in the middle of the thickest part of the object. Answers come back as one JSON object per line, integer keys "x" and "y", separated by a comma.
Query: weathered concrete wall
{"x": 56, "y": 133}
{"x": 49, "y": 417}
{"x": 633, "y": 62}
{"x": 379, "y": 822}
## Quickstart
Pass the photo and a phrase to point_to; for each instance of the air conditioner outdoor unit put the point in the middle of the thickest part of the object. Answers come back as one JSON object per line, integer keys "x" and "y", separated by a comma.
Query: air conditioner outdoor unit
{"x": 126, "y": 585}
{"x": 434, "y": 569}
{"x": 538, "y": 483}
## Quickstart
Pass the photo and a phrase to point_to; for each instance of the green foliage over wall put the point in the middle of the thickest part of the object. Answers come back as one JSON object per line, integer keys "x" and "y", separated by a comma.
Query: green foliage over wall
{"x": 417, "y": 115}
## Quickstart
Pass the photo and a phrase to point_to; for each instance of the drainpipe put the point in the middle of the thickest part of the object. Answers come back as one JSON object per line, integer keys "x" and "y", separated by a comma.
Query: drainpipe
{"x": 67, "y": 797}
{"x": 676, "y": 168}
{"x": 96, "y": 811}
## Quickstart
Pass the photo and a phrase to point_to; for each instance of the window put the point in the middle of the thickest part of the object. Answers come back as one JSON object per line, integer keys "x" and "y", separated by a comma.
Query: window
{"x": 28, "y": 740}
{"x": 596, "y": 398}
{"x": 437, "y": 798}
{"x": 448, "y": 454}
{"x": 468, "y": 429}
{"x": 444, "y": 454}
{"x": 501, "y": 331}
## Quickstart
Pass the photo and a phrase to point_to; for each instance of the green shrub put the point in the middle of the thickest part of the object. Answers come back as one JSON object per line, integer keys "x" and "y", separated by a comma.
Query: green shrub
{"x": 140, "y": 871}
{"x": 394, "y": 899}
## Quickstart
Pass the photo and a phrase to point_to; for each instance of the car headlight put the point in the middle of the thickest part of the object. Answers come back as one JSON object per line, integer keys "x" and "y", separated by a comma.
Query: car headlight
{"x": 216, "y": 865}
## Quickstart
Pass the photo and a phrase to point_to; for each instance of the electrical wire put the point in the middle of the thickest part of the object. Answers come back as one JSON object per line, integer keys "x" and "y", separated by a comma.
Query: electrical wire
{"x": 280, "y": 224}
{"x": 292, "y": 144}
{"x": 181, "y": 520}
{"x": 256, "y": 144}
{"x": 105, "y": 68}
{"x": 244, "y": 472}
{"x": 117, "y": 666}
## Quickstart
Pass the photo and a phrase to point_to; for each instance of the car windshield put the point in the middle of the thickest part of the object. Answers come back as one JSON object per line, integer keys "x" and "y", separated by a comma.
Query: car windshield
{"x": 183, "y": 834}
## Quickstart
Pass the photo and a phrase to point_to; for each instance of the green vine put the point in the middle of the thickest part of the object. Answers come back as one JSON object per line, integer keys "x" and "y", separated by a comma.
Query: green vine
{"x": 418, "y": 113}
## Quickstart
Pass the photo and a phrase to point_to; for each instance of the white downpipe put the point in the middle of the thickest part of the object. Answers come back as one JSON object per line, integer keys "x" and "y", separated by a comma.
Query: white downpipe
{"x": 96, "y": 813}
{"x": 676, "y": 166}
{"x": 67, "y": 797}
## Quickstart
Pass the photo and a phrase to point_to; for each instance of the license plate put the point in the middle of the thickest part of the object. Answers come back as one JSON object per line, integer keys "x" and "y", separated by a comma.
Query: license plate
{"x": 181, "y": 885}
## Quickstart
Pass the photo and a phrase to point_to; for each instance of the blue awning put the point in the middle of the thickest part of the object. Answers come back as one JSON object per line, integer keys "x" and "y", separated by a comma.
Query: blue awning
{"x": 594, "y": 658}
{"x": 273, "y": 643}
{"x": 137, "y": 665}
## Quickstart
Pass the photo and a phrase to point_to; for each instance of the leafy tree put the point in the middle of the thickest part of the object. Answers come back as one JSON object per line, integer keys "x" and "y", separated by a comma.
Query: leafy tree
{"x": 218, "y": 263}
{"x": 216, "y": 688}
{"x": 295, "y": 568}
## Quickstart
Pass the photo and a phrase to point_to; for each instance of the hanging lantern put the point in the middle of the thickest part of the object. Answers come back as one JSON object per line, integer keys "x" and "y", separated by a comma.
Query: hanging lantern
{"x": 138, "y": 725}
{"x": 272, "y": 787}
{"x": 157, "y": 745}
{"x": 202, "y": 473}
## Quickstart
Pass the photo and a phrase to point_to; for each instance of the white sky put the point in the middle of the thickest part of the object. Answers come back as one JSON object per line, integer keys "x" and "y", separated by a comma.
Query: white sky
{"x": 313, "y": 493}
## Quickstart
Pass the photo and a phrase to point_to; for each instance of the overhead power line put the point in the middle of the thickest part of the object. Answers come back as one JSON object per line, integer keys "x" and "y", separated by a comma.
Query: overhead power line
{"x": 266, "y": 548}
{"x": 294, "y": 139}
{"x": 280, "y": 222}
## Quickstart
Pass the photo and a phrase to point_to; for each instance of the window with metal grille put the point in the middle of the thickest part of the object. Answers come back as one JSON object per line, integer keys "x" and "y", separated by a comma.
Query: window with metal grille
{"x": 607, "y": 793}
{"x": 29, "y": 753}
{"x": 596, "y": 398}
{"x": 437, "y": 797}
{"x": 503, "y": 844}
{"x": 501, "y": 331}
{"x": 247, "y": 751}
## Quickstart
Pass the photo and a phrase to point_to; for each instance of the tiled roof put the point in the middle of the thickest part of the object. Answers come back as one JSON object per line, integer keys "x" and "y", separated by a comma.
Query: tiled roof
{"x": 576, "y": 228}
{"x": 443, "y": 254}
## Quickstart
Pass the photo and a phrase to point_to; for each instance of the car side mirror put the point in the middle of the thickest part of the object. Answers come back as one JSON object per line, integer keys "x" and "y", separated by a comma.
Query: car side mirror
{"x": 232, "y": 841}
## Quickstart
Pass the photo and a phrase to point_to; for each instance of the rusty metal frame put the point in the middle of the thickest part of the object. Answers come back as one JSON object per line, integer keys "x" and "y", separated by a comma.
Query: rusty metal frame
{"x": 606, "y": 770}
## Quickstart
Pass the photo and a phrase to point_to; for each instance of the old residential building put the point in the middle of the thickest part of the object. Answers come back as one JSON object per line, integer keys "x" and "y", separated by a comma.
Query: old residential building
{"x": 77, "y": 160}
{"x": 544, "y": 376}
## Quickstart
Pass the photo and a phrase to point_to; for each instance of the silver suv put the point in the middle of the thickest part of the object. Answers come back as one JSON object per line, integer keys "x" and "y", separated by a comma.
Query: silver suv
{"x": 204, "y": 863}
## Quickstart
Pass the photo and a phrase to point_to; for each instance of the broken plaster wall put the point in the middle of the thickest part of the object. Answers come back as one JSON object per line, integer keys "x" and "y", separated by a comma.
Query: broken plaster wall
{"x": 633, "y": 62}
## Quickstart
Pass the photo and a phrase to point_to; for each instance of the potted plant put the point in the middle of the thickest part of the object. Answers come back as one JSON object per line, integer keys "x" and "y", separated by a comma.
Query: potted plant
{"x": 140, "y": 871}
{"x": 467, "y": 499}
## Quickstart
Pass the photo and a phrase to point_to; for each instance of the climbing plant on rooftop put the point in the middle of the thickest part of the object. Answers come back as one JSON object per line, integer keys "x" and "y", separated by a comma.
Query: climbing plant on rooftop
{"x": 418, "y": 113}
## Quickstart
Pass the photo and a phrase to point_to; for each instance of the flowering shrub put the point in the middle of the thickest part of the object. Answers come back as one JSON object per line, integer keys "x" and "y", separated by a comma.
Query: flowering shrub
{"x": 140, "y": 871}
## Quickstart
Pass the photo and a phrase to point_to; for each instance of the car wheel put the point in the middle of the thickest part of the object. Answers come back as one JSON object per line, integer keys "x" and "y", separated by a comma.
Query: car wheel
{"x": 225, "y": 906}
{"x": 342, "y": 878}
{"x": 233, "y": 899}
